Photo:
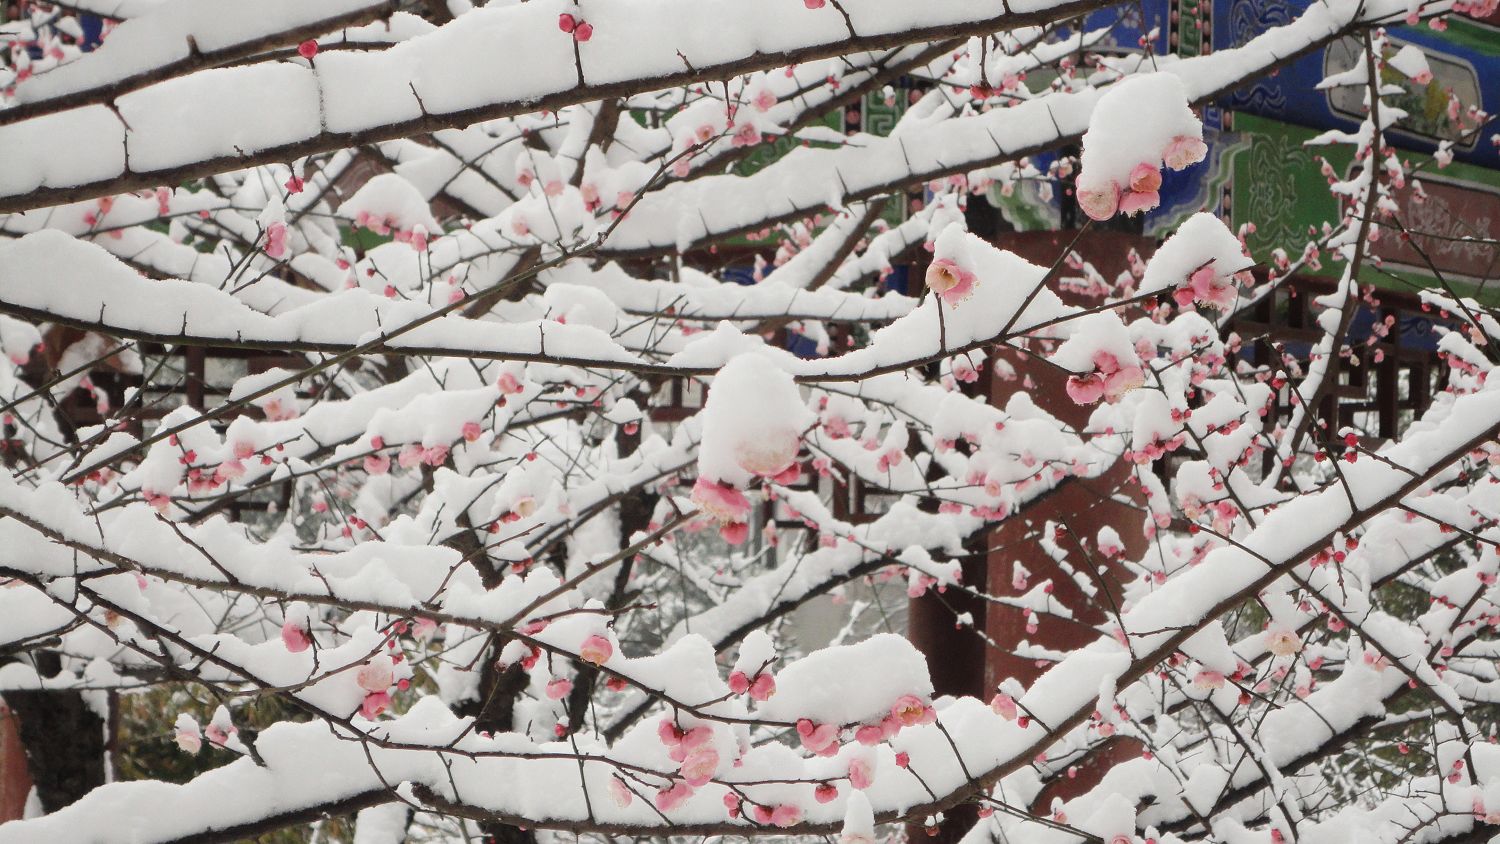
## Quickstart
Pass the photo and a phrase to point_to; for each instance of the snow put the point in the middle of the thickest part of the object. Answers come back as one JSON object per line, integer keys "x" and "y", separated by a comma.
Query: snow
{"x": 158, "y": 36}
{"x": 871, "y": 675}
{"x": 527, "y": 485}
{"x": 1201, "y": 240}
{"x": 1134, "y": 122}
{"x": 363, "y": 91}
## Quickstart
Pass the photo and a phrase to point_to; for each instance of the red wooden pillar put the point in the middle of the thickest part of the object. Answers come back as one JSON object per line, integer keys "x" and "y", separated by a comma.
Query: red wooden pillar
{"x": 1081, "y": 507}
{"x": 960, "y": 662}
{"x": 15, "y": 777}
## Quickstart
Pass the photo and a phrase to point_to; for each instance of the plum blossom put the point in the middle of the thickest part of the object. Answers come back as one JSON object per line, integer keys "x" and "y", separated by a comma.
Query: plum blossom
{"x": 699, "y": 766}
{"x": 620, "y": 792}
{"x": 1004, "y": 705}
{"x": 818, "y": 738}
{"x": 910, "y": 711}
{"x": 735, "y": 533}
{"x": 1100, "y": 203}
{"x": 786, "y": 814}
{"x": 596, "y": 650}
{"x": 276, "y": 240}
{"x": 1204, "y": 285}
{"x": 375, "y": 675}
{"x": 861, "y": 773}
{"x": 770, "y": 455}
{"x": 670, "y": 798}
{"x": 187, "y": 734}
{"x": 374, "y": 704}
{"x": 294, "y": 635}
{"x": 1208, "y": 679}
{"x": 951, "y": 282}
{"x": 720, "y": 501}
{"x": 1184, "y": 151}
{"x": 1110, "y": 380}
{"x": 1283, "y": 642}
{"x": 763, "y": 687}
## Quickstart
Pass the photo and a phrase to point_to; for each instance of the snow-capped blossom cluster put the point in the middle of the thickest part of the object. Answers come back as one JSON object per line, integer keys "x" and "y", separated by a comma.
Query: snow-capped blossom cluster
{"x": 1140, "y": 125}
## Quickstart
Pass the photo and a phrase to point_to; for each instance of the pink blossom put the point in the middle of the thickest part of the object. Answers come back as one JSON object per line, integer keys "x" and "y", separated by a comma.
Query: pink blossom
{"x": 745, "y": 136}
{"x": 375, "y": 675}
{"x": 1004, "y": 705}
{"x": 596, "y": 649}
{"x": 861, "y": 773}
{"x": 787, "y": 815}
{"x": 1208, "y": 679}
{"x": 721, "y": 501}
{"x": 1139, "y": 202}
{"x": 735, "y": 533}
{"x": 817, "y": 737}
{"x": 1205, "y": 286}
{"x": 763, "y": 687}
{"x": 295, "y": 637}
{"x": 826, "y": 792}
{"x": 471, "y": 431}
{"x": 508, "y": 384}
{"x": 377, "y": 464}
{"x": 423, "y": 629}
{"x": 949, "y": 281}
{"x": 1184, "y": 151}
{"x": 1085, "y": 389}
{"x": 738, "y": 682}
{"x": 276, "y": 240}
{"x": 700, "y": 765}
{"x": 869, "y": 735}
{"x": 1101, "y": 203}
{"x": 409, "y": 456}
{"x": 697, "y": 737}
{"x": 669, "y": 733}
{"x": 1122, "y": 381}
{"x": 1145, "y": 178}
{"x": 525, "y": 506}
{"x": 911, "y": 711}
{"x": 230, "y": 470}
{"x": 1283, "y": 642}
{"x": 188, "y": 739}
{"x": 619, "y": 792}
{"x": 813, "y": 4}
{"x": 559, "y": 688}
{"x": 671, "y": 798}
{"x": 764, "y": 100}
{"x": 769, "y": 455}
{"x": 374, "y": 704}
